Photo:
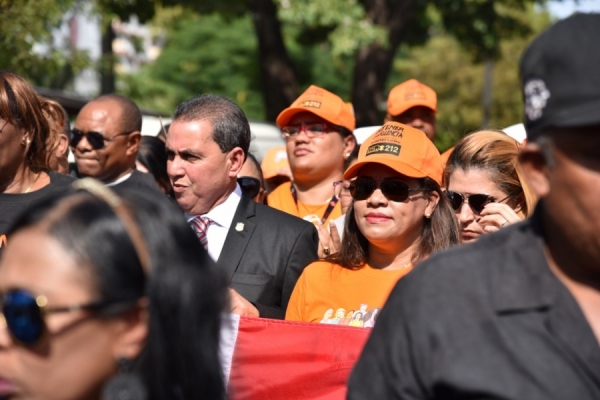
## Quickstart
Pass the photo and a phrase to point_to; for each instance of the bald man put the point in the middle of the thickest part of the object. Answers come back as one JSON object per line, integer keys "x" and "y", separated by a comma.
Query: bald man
{"x": 105, "y": 141}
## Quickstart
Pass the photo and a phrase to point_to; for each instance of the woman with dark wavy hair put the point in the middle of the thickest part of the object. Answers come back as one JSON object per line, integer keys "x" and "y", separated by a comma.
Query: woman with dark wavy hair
{"x": 118, "y": 301}
{"x": 399, "y": 216}
{"x": 27, "y": 143}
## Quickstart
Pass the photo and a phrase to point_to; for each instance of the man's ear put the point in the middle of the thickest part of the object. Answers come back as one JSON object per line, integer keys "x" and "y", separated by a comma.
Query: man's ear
{"x": 535, "y": 167}
{"x": 236, "y": 158}
{"x": 134, "y": 139}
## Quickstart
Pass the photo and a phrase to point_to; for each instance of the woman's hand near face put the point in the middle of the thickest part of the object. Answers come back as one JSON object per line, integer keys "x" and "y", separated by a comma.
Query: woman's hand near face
{"x": 497, "y": 215}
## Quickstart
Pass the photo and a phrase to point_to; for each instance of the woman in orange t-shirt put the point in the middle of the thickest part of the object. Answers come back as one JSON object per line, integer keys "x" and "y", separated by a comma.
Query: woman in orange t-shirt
{"x": 398, "y": 217}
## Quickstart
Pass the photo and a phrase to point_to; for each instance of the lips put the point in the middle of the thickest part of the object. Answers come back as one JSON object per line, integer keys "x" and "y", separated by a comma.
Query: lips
{"x": 301, "y": 151}
{"x": 376, "y": 217}
{"x": 468, "y": 236}
{"x": 6, "y": 388}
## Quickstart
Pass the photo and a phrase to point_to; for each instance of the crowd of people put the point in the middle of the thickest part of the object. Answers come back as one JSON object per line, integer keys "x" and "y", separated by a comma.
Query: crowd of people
{"x": 116, "y": 270}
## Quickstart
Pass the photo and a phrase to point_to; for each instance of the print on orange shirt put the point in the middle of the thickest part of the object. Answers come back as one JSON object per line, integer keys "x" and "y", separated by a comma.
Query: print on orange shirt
{"x": 360, "y": 317}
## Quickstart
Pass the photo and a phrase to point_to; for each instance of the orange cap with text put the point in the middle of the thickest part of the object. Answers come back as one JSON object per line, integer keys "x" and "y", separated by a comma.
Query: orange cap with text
{"x": 322, "y": 103}
{"x": 409, "y": 94}
{"x": 402, "y": 148}
{"x": 275, "y": 162}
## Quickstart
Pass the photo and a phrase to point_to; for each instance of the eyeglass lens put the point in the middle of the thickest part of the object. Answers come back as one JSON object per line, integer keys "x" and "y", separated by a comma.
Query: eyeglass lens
{"x": 23, "y": 316}
{"x": 477, "y": 202}
{"x": 250, "y": 186}
{"x": 95, "y": 139}
{"x": 393, "y": 189}
{"x": 310, "y": 129}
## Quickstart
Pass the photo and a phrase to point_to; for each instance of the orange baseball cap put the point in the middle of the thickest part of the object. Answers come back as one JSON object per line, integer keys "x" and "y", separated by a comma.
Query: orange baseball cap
{"x": 411, "y": 93}
{"x": 275, "y": 162}
{"x": 322, "y": 103}
{"x": 402, "y": 148}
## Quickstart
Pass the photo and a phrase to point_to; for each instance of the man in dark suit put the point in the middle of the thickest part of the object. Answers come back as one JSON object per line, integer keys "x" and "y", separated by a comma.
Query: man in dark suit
{"x": 261, "y": 250}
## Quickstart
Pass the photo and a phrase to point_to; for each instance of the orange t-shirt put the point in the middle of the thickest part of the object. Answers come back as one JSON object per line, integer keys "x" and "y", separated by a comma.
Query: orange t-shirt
{"x": 282, "y": 199}
{"x": 330, "y": 294}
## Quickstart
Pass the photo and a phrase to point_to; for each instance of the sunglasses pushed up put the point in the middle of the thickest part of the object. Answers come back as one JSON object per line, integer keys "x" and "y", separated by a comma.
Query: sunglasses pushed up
{"x": 24, "y": 314}
{"x": 477, "y": 202}
{"x": 95, "y": 139}
{"x": 394, "y": 189}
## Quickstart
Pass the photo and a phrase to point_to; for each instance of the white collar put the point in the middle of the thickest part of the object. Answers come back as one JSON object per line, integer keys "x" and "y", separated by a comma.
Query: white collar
{"x": 121, "y": 179}
{"x": 223, "y": 213}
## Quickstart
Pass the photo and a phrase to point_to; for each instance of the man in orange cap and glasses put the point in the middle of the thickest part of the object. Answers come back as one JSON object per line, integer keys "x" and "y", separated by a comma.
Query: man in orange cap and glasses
{"x": 414, "y": 104}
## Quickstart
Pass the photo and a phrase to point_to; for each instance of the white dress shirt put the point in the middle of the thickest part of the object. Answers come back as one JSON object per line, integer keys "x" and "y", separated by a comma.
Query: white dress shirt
{"x": 221, "y": 216}
{"x": 121, "y": 179}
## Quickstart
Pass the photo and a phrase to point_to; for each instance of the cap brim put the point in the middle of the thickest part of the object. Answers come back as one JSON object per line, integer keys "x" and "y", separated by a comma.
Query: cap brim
{"x": 407, "y": 106}
{"x": 399, "y": 167}
{"x": 286, "y": 115}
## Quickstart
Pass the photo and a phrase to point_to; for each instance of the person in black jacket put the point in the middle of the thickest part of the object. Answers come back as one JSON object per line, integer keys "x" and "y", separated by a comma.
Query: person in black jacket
{"x": 516, "y": 315}
{"x": 261, "y": 250}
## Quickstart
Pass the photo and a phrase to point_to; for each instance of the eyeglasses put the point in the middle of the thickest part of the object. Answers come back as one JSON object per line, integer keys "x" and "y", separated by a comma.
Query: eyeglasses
{"x": 311, "y": 129}
{"x": 477, "y": 202}
{"x": 394, "y": 189}
{"x": 95, "y": 139}
{"x": 341, "y": 188}
{"x": 24, "y": 314}
{"x": 250, "y": 186}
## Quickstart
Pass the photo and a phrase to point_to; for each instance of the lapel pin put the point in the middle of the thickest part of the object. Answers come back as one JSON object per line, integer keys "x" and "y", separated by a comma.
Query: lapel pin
{"x": 239, "y": 226}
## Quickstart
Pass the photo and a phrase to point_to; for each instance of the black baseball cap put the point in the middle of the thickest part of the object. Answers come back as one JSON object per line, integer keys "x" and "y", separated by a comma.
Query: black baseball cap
{"x": 560, "y": 76}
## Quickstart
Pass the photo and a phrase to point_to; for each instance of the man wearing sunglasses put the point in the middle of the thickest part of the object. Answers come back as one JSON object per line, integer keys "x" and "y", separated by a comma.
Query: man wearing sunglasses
{"x": 105, "y": 140}
{"x": 261, "y": 251}
{"x": 515, "y": 315}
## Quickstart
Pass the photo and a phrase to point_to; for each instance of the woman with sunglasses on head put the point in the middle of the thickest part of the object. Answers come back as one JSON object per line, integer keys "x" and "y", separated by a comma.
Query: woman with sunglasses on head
{"x": 27, "y": 144}
{"x": 117, "y": 300}
{"x": 485, "y": 184}
{"x": 399, "y": 216}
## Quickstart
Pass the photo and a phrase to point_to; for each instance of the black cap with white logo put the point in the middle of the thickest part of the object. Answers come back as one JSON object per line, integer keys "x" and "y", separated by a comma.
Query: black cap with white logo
{"x": 560, "y": 74}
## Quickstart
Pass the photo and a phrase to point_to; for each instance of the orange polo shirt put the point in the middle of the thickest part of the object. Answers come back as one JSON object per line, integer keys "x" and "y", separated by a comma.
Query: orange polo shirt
{"x": 282, "y": 199}
{"x": 329, "y": 294}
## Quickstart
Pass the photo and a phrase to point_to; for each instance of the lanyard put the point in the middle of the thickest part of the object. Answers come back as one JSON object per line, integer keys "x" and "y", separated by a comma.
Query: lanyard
{"x": 330, "y": 206}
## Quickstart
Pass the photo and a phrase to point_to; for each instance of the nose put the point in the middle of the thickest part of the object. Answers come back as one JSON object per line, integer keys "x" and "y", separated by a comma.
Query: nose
{"x": 466, "y": 215}
{"x": 377, "y": 199}
{"x": 174, "y": 168}
{"x": 302, "y": 136}
{"x": 417, "y": 122}
{"x": 83, "y": 145}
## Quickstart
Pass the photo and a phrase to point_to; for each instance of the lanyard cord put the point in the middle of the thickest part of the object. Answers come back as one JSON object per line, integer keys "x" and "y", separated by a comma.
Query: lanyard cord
{"x": 330, "y": 206}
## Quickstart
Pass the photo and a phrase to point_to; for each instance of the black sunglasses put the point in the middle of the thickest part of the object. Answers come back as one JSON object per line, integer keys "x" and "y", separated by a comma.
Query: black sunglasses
{"x": 477, "y": 202}
{"x": 95, "y": 139}
{"x": 24, "y": 314}
{"x": 250, "y": 186}
{"x": 394, "y": 189}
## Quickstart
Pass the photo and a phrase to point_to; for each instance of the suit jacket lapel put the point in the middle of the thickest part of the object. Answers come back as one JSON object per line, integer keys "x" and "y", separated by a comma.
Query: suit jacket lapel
{"x": 239, "y": 234}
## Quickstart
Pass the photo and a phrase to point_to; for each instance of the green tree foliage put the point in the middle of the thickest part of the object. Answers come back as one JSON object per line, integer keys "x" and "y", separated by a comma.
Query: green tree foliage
{"x": 213, "y": 54}
{"x": 25, "y": 24}
{"x": 444, "y": 64}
